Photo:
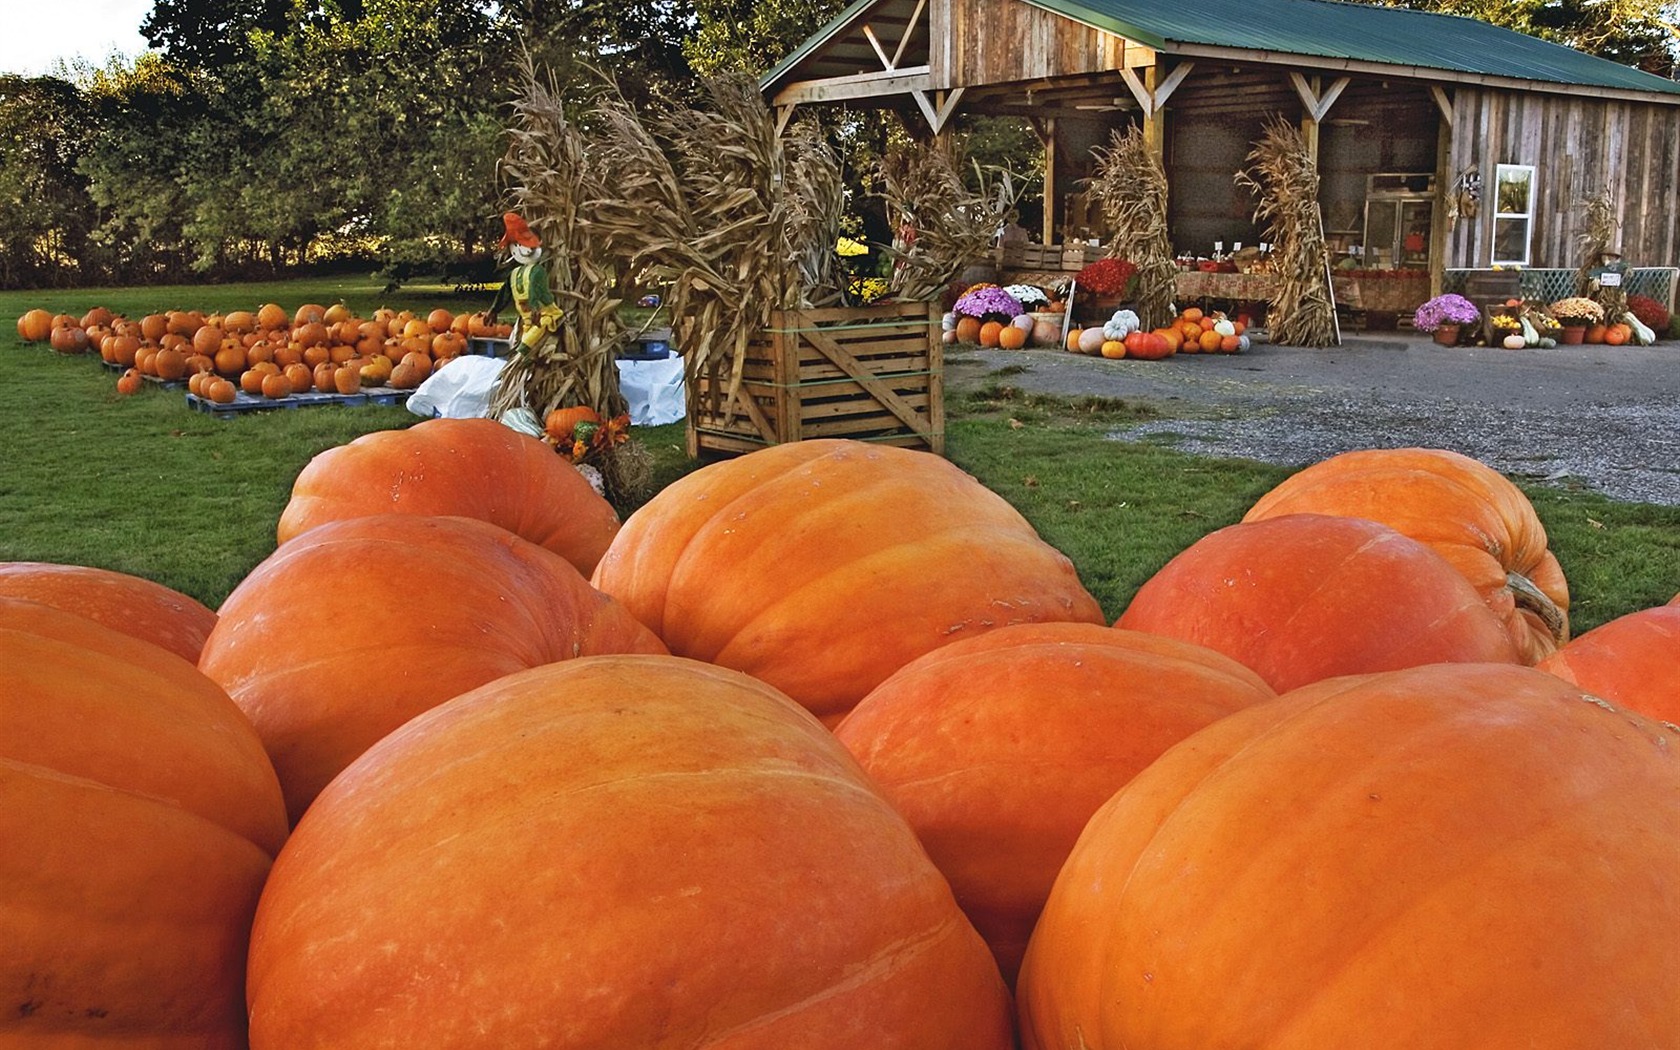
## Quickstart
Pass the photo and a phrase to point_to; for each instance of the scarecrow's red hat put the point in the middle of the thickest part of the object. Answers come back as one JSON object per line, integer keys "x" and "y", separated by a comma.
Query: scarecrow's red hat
{"x": 518, "y": 232}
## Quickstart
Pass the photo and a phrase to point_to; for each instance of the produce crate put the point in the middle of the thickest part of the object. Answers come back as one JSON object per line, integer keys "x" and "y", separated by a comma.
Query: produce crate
{"x": 871, "y": 373}
{"x": 1046, "y": 256}
{"x": 244, "y": 403}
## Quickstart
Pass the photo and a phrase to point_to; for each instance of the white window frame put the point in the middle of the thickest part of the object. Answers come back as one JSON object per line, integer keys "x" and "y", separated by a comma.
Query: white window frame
{"x": 1526, "y": 216}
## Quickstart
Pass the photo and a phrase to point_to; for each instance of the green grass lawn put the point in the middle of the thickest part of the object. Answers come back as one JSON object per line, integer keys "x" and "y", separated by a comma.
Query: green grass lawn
{"x": 146, "y": 485}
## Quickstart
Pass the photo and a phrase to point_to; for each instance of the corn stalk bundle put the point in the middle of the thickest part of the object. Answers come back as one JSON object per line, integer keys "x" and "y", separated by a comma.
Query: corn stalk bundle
{"x": 816, "y": 205}
{"x": 1130, "y": 187}
{"x": 942, "y": 224}
{"x": 1598, "y": 236}
{"x": 554, "y": 175}
{"x": 1285, "y": 179}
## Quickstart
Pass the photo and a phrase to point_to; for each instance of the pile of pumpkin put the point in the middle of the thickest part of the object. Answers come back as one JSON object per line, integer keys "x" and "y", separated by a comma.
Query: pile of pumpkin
{"x": 1192, "y": 331}
{"x": 266, "y": 352}
{"x": 825, "y": 747}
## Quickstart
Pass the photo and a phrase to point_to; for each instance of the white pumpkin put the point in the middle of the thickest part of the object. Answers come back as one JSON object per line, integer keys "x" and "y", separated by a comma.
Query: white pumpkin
{"x": 1024, "y": 322}
{"x": 1515, "y": 342}
{"x": 949, "y": 321}
{"x": 1122, "y": 324}
{"x": 950, "y": 336}
{"x": 1224, "y": 327}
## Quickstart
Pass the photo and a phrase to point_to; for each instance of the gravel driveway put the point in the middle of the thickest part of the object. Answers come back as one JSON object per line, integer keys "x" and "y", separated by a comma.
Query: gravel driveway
{"x": 1605, "y": 417}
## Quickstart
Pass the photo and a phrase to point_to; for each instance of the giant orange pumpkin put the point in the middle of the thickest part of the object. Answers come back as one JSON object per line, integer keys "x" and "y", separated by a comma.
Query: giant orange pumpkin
{"x": 1450, "y": 856}
{"x": 327, "y": 647}
{"x": 1633, "y": 660}
{"x": 476, "y": 468}
{"x": 35, "y": 325}
{"x": 1467, "y": 512}
{"x": 139, "y": 816}
{"x": 823, "y": 566}
{"x": 1307, "y": 596}
{"x": 625, "y": 851}
{"x": 999, "y": 748}
{"x": 130, "y": 604}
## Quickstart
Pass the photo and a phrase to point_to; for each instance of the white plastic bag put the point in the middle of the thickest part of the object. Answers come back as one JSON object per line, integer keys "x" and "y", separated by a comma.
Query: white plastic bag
{"x": 654, "y": 390}
{"x": 459, "y": 390}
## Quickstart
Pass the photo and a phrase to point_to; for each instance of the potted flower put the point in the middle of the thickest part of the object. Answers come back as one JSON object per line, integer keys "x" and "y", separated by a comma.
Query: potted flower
{"x": 1575, "y": 314}
{"x": 1102, "y": 285}
{"x": 1445, "y": 316}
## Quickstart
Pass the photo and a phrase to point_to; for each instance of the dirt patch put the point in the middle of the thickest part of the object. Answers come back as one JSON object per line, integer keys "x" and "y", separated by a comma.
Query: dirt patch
{"x": 1606, "y": 418}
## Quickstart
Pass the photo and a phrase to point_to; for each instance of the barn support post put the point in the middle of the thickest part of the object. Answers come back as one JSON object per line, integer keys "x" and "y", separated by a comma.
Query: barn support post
{"x": 1440, "y": 229}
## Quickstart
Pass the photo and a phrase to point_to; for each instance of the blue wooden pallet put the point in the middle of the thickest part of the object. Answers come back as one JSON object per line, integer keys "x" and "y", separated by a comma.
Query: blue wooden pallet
{"x": 167, "y": 384}
{"x": 243, "y": 402}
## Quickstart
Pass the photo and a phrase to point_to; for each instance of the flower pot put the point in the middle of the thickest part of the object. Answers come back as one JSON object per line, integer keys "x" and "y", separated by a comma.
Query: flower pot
{"x": 1447, "y": 335}
{"x": 1573, "y": 334}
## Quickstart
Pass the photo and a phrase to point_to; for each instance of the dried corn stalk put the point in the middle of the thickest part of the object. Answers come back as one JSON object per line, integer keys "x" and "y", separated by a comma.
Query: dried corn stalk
{"x": 942, "y": 225}
{"x": 1130, "y": 187}
{"x": 1285, "y": 180}
{"x": 554, "y": 175}
{"x": 1598, "y": 237}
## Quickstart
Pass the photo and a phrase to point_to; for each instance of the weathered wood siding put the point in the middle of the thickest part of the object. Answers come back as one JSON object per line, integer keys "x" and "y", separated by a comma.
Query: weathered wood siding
{"x": 1579, "y": 147}
{"x": 979, "y": 42}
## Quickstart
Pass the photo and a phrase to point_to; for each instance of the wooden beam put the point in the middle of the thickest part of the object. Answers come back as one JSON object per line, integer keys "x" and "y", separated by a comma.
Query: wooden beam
{"x": 783, "y": 115}
{"x": 938, "y": 113}
{"x": 1152, "y": 90}
{"x": 1317, "y": 104}
{"x": 875, "y": 42}
{"x": 858, "y": 85}
{"x": 1442, "y": 103}
{"x": 1440, "y": 231}
{"x": 909, "y": 31}
{"x": 1050, "y": 181}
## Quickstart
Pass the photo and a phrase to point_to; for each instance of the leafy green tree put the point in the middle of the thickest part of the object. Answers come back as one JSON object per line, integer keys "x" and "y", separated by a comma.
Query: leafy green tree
{"x": 752, "y": 35}
{"x": 1640, "y": 33}
{"x": 45, "y": 210}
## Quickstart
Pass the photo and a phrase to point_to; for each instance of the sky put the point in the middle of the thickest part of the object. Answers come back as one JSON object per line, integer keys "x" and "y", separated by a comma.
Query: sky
{"x": 33, "y": 33}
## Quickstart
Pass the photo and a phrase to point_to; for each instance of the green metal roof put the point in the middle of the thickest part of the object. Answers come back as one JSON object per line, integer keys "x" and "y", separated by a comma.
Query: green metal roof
{"x": 1333, "y": 29}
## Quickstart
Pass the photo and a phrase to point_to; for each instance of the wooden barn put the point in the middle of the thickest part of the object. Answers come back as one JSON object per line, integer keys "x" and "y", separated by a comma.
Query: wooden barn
{"x": 1444, "y": 145}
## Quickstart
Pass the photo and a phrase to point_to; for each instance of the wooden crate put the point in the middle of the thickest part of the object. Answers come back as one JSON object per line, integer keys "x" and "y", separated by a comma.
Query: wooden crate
{"x": 871, "y": 373}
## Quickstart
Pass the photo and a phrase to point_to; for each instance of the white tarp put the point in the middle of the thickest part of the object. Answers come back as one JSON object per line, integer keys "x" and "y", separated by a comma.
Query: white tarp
{"x": 462, "y": 389}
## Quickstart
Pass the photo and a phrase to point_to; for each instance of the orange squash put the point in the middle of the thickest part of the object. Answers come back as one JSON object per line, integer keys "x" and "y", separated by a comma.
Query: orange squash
{"x": 998, "y": 749}
{"x": 1466, "y": 512}
{"x": 1465, "y": 856}
{"x": 130, "y": 604}
{"x": 1303, "y": 597}
{"x": 473, "y": 602}
{"x": 797, "y": 563}
{"x": 1631, "y": 661}
{"x": 476, "y": 468}
{"x": 633, "y": 852}
{"x": 139, "y": 818}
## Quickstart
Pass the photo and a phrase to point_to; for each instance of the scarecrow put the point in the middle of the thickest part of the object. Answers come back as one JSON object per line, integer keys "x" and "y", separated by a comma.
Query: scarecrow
{"x": 527, "y": 287}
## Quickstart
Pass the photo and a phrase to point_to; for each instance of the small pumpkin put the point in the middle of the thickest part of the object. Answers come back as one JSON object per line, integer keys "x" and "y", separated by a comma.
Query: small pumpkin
{"x": 988, "y": 334}
{"x": 130, "y": 382}
{"x": 1113, "y": 349}
{"x": 968, "y": 329}
{"x": 1012, "y": 337}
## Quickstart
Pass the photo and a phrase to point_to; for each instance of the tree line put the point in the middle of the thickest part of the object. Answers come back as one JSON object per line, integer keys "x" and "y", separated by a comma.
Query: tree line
{"x": 258, "y": 137}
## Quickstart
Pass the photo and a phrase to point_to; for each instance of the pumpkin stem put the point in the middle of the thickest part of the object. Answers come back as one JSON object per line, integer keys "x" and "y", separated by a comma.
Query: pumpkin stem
{"x": 1532, "y": 599}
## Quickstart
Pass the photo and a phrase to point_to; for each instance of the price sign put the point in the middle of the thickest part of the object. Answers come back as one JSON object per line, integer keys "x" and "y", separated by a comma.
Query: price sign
{"x": 1610, "y": 279}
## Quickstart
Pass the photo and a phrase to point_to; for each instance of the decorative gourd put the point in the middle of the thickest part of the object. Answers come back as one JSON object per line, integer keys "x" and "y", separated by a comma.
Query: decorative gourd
{"x": 1305, "y": 596}
{"x": 1470, "y": 514}
{"x": 1091, "y": 340}
{"x": 1642, "y": 333}
{"x": 1632, "y": 661}
{"x": 35, "y": 326}
{"x": 475, "y": 468}
{"x": 140, "y": 817}
{"x": 1122, "y": 324}
{"x": 1514, "y": 342}
{"x": 793, "y": 564}
{"x": 130, "y": 604}
{"x": 473, "y": 602}
{"x": 1466, "y": 856}
{"x": 632, "y": 852}
{"x": 998, "y": 749}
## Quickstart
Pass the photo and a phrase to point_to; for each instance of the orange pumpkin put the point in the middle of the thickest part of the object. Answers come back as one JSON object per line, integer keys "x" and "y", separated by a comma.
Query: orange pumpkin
{"x": 68, "y": 339}
{"x": 1463, "y": 856}
{"x": 1466, "y": 512}
{"x": 1595, "y": 333}
{"x": 634, "y": 852}
{"x": 793, "y": 564}
{"x": 1305, "y": 596}
{"x": 1617, "y": 334}
{"x": 140, "y": 816}
{"x": 1630, "y": 661}
{"x": 130, "y": 604}
{"x": 1011, "y": 337}
{"x": 130, "y": 382}
{"x": 989, "y": 333}
{"x": 475, "y": 602}
{"x": 221, "y": 391}
{"x": 274, "y": 385}
{"x": 475, "y": 468}
{"x": 1073, "y": 338}
{"x": 968, "y": 329}
{"x": 999, "y": 748}
{"x": 309, "y": 313}
{"x": 35, "y": 326}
